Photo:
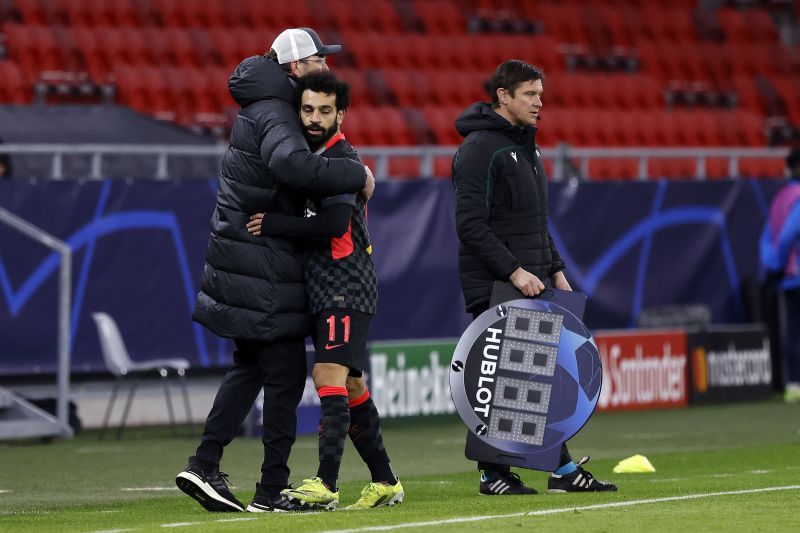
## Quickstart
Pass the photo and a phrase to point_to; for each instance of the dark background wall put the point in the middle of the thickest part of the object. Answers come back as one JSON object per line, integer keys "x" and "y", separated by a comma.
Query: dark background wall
{"x": 139, "y": 247}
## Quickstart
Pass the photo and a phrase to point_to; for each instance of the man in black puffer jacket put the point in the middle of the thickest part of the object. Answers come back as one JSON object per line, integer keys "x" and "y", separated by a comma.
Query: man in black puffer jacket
{"x": 252, "y": 288}
{"x": 501, "y": 220}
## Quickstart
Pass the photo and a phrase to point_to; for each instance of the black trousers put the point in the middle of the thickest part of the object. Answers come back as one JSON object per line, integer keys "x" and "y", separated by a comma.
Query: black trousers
{"x": 789, "y": 316}
{"x": 564, "y": 458}
{"x": 280, "y": 368}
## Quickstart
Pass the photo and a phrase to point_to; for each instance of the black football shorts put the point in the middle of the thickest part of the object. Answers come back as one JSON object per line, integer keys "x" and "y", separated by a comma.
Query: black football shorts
{"x": 340, "y": 336}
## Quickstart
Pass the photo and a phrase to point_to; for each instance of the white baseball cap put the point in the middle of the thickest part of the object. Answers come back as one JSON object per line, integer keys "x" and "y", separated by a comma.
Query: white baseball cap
{"x": 295, "y": 44}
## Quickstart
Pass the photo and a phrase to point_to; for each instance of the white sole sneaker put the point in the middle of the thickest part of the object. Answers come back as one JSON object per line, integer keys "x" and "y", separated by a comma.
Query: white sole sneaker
{"x": 204, "y": 494}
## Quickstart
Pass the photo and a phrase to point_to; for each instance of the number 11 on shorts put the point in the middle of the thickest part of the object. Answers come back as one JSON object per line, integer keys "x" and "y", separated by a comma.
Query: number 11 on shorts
{"x": 332, "y": 328}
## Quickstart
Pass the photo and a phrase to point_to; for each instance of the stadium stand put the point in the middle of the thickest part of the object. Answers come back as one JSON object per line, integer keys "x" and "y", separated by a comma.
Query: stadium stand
{"x": 619, "y": 72}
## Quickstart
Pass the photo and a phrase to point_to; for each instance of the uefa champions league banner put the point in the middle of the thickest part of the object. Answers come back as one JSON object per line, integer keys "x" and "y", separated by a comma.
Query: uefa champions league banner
{"x": 643, "y": 369}
{"x": 730, "y": 364}
{"x": 138, "y": 250}
{"x": 405, "y": 379}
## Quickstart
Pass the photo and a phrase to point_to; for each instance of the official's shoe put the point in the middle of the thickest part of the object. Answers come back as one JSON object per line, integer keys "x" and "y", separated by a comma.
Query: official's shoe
{"x": 379, "y": 495}
{"x": 270, "y": 502}
{"x": 791, "y": 393}
{"x": 578, "y": 481}
{"x": 314, "y": 493}
{"x": 208, "y": 486}
{"x": 505, "y": 484}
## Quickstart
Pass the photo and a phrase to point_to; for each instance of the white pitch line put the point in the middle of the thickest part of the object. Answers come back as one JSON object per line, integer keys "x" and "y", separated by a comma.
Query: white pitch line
{"x": 101, "y": 449}
{"x": 184, "y": 524}
{"x": 129, "y": 489}
{"x": 447, "y": 442}
{"x": 543, "y": 512}
{"x": 113, "y": 530}
{"x": 4, "y": 491}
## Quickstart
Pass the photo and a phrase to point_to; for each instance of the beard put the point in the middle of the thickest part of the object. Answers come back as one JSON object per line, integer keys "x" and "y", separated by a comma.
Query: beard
{"x": 317, "y": 140}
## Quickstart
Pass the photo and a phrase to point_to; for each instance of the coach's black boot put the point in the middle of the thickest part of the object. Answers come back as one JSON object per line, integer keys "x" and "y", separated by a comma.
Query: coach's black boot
{"x": 204, "y": 482}
{"x": 273, "y": 502}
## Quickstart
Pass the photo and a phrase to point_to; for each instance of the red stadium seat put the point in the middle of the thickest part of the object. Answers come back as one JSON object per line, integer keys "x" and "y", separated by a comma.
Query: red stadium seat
{"x": 183, "y": 51}
{"x": 225, "y": 43}
{"x": 364, "y": 16}
{"x": 749, "y": 126}
{"x": 442, "y": 123}
{"x": 774, "y": 167}
{"x": 615, "y": 19}
{"x": 673, "y": 168}
{"x": 409, "y": 87}
{"x": 218, "y": 88}
{"x": 761, "y": 26}
{"x": 613, "y": 169}
{"x": 404, "y": 167}
{"x": 716, "y": 168}
{"x": 360, "y": 93}
{"x": 158, "y": 50}
{"x": 442, "y": 167}
{"x": 563, "y": 23}
{"x": 378, "y": 126}
{"x": 31, "y": 11}
{"x": 87, "y": 46}
{"x": 749, "y": 98}
{"x": 440, "y": 17}
{"x": 296, "y": 14}
{"x": 15, "y": 89}
{"x": 33, "y": 48}
{"x": 787, "y": 89}
{"x": 733, "y": 24}
{"x": 169, "y": 12}
{"x": 130, "y": 88}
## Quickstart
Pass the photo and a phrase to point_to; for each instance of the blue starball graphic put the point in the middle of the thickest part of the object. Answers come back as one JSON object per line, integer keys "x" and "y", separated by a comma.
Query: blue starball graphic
{"x": 525, "y": 377}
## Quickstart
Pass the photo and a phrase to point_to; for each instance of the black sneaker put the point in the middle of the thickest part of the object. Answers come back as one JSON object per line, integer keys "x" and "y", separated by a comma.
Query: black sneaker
{"x": 505, "y": 484}
{"x": 578, "y": 481}
{"x": 273, "y": 502}
{"x": 208, "y": 486}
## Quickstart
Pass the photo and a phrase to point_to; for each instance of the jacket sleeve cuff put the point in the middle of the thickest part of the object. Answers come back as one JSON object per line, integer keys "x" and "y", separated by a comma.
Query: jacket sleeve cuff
{"x": 510, "y": 270}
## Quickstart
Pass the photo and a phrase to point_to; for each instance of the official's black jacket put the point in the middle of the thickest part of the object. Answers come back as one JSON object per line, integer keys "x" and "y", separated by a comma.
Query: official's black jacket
{"x": 501, "y": 204}
{"x": 252, "y": 287}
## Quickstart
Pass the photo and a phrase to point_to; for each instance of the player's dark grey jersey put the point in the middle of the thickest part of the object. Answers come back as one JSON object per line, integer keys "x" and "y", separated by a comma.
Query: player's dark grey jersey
{"x": 339, "y": 271}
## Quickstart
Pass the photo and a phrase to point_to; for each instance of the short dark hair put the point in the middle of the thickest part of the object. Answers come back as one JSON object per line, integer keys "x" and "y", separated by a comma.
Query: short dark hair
{"x": 510, "y": 75}
{"x": 273, "y": 55}
{"x": 326, "y": 82}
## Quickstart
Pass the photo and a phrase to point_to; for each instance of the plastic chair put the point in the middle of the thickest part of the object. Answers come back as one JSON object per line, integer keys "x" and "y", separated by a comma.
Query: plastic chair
{"x": 119, "y": 363}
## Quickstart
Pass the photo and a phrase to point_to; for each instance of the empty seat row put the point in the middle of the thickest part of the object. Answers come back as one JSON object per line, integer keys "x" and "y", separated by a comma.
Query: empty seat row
{"x": 415, "y": 88}
{"x": 179, "y": 13}
{"x": 415, "y": 51}
{"x": 15, "y": 88}
{"x": 173, "y": 93}
{"x": 651, "y": 128}
{"x": 98, "y": 50}
{"x": 714, "y": 61}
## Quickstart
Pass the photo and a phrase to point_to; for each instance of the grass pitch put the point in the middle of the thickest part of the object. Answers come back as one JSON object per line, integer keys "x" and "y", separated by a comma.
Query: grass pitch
{"x": 722, "y": 468}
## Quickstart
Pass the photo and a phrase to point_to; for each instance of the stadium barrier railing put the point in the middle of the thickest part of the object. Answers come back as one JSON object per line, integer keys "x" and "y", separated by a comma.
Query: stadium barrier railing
{"x": 563, "y": 157}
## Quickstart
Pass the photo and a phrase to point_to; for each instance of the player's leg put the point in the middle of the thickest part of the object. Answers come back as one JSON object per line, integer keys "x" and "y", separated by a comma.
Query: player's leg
{"x": 789, "y": 302}
{"x": 332, "y": 340}
{"x": 201, "y": 479}
{"x": 284, "y": 363}
{"x": 365, "y": 432}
